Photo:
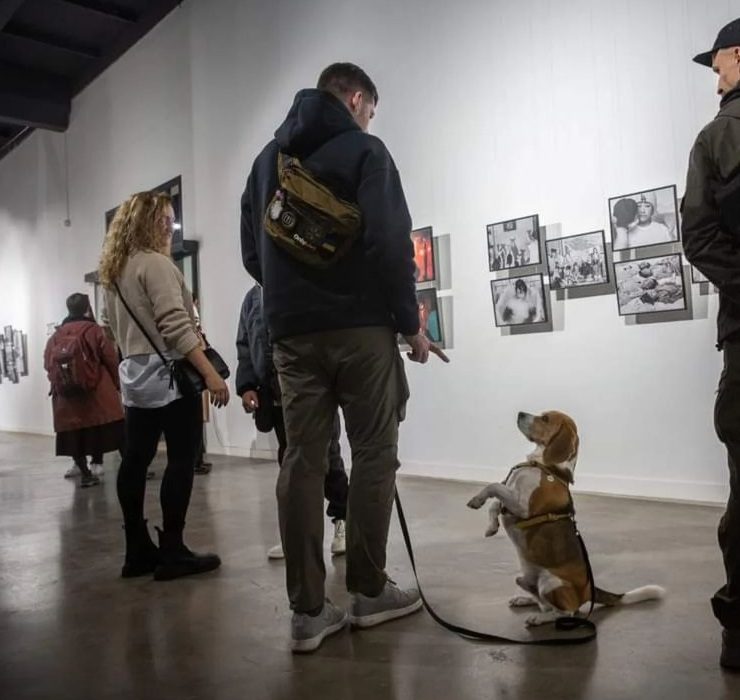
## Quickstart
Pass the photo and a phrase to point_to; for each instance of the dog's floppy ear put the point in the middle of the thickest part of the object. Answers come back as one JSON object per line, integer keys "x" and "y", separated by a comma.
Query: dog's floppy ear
{"x": 563, "y": 447}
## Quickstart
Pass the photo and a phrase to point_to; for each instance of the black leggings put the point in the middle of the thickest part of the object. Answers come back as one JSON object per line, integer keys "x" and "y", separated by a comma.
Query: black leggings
{"x": 182, "y": 424}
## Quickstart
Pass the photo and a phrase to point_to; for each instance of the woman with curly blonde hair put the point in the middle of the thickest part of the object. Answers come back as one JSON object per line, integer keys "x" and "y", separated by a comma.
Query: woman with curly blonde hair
{"x": 141, "y": 280}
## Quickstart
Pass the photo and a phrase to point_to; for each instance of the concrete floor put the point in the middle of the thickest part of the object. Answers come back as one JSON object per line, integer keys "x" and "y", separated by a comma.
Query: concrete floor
{"x": 70, "y": 628}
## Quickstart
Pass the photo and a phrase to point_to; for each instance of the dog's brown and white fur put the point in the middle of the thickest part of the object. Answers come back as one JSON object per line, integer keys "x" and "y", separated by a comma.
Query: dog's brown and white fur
{"x": 554, "y": 571}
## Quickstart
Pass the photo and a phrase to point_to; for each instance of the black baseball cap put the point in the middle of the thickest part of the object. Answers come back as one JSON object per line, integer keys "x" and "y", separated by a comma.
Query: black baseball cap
{"x": 728, "y": 36}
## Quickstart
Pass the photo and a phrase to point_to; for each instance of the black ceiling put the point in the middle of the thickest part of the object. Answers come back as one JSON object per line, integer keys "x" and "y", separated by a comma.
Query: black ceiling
{"x": 51, "y": 49}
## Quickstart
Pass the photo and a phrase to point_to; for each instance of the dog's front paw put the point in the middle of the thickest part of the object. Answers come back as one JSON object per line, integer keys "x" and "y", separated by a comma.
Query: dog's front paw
{"x": 538, "y": 619}
{"x": 476, "y": 501}
{"x": 522, "y": 601}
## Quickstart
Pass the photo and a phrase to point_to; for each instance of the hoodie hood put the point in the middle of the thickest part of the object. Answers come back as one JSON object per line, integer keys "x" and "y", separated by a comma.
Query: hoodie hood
{"x": 315, "y": 118}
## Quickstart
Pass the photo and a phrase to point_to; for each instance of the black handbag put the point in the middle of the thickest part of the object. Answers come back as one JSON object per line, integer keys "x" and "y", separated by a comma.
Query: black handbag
{"x": 188, "y": 379}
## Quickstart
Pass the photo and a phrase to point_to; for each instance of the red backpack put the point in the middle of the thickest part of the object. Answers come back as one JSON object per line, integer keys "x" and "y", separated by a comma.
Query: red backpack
{"x": 73, "y": 366}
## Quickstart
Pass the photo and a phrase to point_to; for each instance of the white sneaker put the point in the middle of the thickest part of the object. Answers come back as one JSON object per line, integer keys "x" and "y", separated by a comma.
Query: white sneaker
{"x": 392, "y": 602}
{"x": 96, "y": 469}
{"x": 308, "y": 632}
{"x": 276, "y": 552}
{"x": 72, "y": 473}
{"x": 338, "y": 543}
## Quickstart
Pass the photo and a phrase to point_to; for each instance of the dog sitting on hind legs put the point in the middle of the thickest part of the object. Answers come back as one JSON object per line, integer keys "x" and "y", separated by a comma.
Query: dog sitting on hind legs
{"x": 535, "y": 505}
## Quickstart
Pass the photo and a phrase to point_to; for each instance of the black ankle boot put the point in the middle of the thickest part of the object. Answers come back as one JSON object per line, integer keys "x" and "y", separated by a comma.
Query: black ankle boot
{"x": 176, "y": 560}
{"x": 142, "y": 555}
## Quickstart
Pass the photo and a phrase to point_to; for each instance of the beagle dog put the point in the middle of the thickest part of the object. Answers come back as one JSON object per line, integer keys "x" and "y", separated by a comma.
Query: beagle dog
{"x": 536, "y": 508}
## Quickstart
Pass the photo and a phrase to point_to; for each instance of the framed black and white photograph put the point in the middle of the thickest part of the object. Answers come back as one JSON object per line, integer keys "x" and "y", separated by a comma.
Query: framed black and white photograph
{"x": 426, "y": 268}
{"x": 644, "y": 218}
{"x": 430, "y": 322}
{"x": 650, "y": 285}
{"x": 577, "y": 261}
{"x": 519, "y": 301}
{"x": 11, "y": 369}
{"x": 514, "y": 243}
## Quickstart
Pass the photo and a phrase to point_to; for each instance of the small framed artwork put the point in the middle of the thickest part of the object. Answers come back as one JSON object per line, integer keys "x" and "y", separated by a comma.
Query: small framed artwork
{"x": 514, "y": 243}
{"x": 430, "y": 322}
{"x": 697, "y": 277}
{"x": 650, "y": 285}
{"x": 519, "y": 301}
{"x": 644, "y": 218}
{"x": 426, "y": 268}
{"x": 577, "y": 261}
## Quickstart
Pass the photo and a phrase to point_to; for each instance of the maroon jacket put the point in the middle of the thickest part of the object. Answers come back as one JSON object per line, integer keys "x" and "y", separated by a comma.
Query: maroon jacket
{"x": 104, "y": 404}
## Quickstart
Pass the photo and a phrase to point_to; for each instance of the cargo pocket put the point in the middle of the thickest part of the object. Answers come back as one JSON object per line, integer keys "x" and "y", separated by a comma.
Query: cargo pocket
{"x": 402, "y": 388}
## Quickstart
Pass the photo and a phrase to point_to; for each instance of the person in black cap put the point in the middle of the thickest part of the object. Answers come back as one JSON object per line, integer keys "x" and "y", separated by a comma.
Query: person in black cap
{"x": 711, "y": 231}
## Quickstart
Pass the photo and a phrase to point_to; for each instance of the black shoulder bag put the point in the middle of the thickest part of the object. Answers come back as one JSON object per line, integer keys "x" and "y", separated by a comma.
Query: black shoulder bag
{"x": 189, "y": 380}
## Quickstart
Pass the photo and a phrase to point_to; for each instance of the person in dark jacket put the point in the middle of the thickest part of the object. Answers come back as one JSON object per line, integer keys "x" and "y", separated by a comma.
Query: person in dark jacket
{"x": 711, "y": 232}
{"x": 333, "y": 333}
{"x": 256, "y": 383}
{"x": 90, "y": 423}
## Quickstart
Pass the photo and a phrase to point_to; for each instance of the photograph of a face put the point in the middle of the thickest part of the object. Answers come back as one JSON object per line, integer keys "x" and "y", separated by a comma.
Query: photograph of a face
{"x": 644, "y": 218}
{"x": 426, "y": 270}
{"x": 650, "y": 285}
{"x": 577, "y": 261}
{"x": 519, "y": 301}
{"x": 514, "y": 243}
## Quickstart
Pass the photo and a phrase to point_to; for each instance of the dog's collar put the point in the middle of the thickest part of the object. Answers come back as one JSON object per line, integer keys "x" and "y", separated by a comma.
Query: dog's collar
{"x": 554, "y": 472}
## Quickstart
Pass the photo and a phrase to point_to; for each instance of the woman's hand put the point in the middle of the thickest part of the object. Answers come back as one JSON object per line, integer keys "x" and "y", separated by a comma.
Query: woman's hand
{"x": 250, "y": 401}
{"x": 219, "y": 392}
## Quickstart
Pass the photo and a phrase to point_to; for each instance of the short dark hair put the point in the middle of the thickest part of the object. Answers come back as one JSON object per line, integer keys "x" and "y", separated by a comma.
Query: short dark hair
{"x": 342, "y": 78}
{"x": 78, "y": 304}
{"x": 520, "y": 286}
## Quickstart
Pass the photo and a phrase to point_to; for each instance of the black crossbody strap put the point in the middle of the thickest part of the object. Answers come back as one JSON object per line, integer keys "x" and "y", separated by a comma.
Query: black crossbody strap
{"x": 165, "y": 362}
{"x": 563, "y": 624}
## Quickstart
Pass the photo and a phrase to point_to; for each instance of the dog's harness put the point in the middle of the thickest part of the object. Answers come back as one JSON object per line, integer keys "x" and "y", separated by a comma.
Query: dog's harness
{"x": 546, "y": 517}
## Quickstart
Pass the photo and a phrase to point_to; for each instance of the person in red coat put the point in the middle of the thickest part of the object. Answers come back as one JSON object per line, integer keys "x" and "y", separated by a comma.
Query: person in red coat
{"x": 82, "y": 366}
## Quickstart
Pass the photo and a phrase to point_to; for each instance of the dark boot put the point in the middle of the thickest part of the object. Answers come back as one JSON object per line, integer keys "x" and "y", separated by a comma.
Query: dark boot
{"x": 176, "y": 560}
{"x": 730, "y": 657}
{"x": 142, "y": 555}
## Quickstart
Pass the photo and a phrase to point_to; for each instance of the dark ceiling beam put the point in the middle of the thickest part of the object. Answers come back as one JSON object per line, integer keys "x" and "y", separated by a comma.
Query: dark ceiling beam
{"x": 105, "y": 9}
{"x": 7, "y": 10}
{"x": 58, "y": 43}
{"x": 35, "y": 112}
{"x": 127, "y": 37}
{"x": 34, "y": 99}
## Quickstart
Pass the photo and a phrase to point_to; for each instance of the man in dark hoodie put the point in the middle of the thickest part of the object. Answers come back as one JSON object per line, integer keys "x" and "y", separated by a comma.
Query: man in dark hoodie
{"x": 711, "y": 231}
{"x": 333, "y": 331}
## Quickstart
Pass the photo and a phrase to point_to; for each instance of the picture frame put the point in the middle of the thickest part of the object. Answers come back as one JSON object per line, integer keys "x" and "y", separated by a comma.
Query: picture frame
{"x": 519, "y": 301}
{"x": 650, "y": 285}
{"x": 577, "y": 261}
{"x": 424, "y": 257}
{"x": 514, "y": 243}
{"x": 697, "y": 277}
{"x": 644, "y": 219}
{"x": 430, "y": 319}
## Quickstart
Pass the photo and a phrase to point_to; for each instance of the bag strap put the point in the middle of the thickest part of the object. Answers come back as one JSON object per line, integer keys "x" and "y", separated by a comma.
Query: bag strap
{"x": 562, "y": 624}
{"x": 165, "y": 361}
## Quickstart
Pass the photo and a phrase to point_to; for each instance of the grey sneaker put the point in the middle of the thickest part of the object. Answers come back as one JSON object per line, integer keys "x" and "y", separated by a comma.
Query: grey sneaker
{"x": 308, "y": 632}
{"x": 393, "y": 602}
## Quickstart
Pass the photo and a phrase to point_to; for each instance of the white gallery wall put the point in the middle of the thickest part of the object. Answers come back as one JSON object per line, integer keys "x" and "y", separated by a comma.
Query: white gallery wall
{"x": 492, "y": 110}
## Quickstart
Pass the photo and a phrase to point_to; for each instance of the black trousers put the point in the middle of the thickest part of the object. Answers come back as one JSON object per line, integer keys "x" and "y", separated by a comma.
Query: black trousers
{"x": 726, "y": 601}
{"x": 336, "y": 484}
{"x": 182, "y": 424}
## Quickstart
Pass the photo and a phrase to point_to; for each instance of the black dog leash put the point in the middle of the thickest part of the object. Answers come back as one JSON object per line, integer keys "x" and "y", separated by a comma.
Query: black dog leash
{"x": 562, "y": 624}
